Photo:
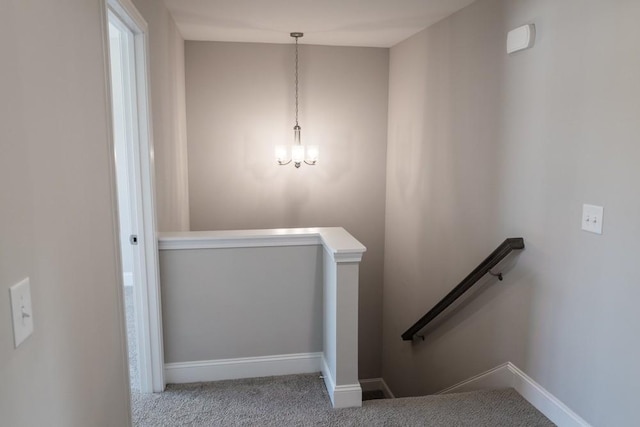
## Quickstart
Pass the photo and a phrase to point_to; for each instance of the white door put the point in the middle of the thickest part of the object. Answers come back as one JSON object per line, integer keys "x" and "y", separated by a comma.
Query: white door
{"x": 134, "y": 182}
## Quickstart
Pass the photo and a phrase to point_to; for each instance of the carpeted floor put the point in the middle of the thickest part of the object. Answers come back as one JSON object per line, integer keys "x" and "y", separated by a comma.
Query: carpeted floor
{"x": 302, "y": 400}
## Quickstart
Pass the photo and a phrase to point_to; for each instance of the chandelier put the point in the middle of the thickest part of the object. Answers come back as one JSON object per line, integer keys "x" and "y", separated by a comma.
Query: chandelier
{"x": 297, "y": 153}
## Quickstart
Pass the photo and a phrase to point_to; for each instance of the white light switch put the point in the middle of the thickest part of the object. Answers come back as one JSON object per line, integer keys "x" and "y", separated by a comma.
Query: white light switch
{"x": 21, "y": 311}
{"x": 592, "y": 218}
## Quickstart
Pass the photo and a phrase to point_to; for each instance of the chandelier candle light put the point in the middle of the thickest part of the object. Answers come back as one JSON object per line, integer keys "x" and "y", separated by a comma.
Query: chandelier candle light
{"x": 299, "y": 153}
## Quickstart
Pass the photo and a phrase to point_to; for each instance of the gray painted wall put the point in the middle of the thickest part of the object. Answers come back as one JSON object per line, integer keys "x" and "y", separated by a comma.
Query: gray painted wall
{"x": 241, "y": 302}
{"x": 483, "y": 146}
{"x": 166, "y": 53}
{"x": 56, "y": 220}
{"x": 240, "y": 105}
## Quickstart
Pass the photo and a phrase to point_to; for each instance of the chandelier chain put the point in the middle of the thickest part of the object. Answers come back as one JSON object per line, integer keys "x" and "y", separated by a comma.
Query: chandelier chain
{"x": 296, "y": 81}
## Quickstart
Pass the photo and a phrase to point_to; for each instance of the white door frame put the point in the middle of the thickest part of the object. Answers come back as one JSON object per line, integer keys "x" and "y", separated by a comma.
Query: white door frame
{"x": 149, "y": 313}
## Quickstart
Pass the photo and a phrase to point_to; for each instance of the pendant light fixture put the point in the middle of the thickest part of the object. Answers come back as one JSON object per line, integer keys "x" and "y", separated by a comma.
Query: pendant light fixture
{"x": 297, "y": 153}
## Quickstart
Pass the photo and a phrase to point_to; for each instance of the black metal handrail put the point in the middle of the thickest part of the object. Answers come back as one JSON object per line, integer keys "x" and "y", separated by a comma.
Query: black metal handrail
{"x": 485, "y": 267}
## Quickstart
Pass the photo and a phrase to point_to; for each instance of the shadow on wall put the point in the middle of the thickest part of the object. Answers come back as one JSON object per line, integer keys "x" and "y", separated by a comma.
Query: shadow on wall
{"x": 460, "y": 309}
{"x": 473, "y": 327}
{"x": 442, "y": 215}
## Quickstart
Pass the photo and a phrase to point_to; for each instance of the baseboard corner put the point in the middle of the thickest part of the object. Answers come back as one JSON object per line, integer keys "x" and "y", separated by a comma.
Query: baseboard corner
{"x": 545, "y": 402}
{"x": 342, "y": 396}
{"x": 508, "y": 375}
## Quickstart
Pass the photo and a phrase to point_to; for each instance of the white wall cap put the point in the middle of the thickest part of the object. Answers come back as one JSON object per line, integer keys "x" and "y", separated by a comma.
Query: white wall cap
{"x": 338, "y": 243}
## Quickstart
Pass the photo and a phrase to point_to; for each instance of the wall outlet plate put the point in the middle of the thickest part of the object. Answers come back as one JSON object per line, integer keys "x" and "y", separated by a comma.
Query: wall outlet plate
{"x": 21, "y": 311}
{"x": 592, "y": 218}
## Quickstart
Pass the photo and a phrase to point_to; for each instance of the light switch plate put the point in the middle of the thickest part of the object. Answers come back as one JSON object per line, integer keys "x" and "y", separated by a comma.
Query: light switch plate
{"x": 592, "y": 218}
{"x": 21, "y": 311}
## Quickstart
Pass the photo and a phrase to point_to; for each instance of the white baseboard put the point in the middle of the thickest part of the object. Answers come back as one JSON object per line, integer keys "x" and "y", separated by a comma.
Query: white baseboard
{"x": 498, "y": 377}
{"x": 508, "y": 375}
{"x": 371, "y": 384}
{"x": 544, "y": 401}
{"x": 342, "y": 396}
{"x": 245, "y": 367}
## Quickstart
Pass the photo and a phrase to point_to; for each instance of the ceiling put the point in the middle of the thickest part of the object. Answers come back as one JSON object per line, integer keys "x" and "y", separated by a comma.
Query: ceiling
{"x": 375, "y": 23}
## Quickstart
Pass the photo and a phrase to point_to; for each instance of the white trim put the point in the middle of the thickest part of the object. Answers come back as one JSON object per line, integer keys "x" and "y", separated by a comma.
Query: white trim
{"x": 239, "y": 242}
{"x": 244, "y": 367}
{"x": 347, "y": 396}
{"x": 372, "y": 384}
{"x": 498, "y": 377}
{"x": 509, "y": 375}
{"x": 329, "y": 382}
{"x": 341, "y": 246}
{"x": 150, "y": 344}
{"x": 127, "y": 277}
{"x": 126, "y": 10}
{"x": 342, "y": 396}
{"x": 115, "y": 223}
{"x": 544, "y": 401}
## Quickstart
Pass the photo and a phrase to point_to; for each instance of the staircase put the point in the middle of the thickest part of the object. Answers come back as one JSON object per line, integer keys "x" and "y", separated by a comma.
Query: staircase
{"x": 303, "y": 400}
{"x": 503, "y": 407}
{"x": 296, "y": 400}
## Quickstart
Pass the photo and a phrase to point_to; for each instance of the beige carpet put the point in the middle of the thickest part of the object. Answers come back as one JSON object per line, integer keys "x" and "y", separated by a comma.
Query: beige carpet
{"x": 302, "y": 400}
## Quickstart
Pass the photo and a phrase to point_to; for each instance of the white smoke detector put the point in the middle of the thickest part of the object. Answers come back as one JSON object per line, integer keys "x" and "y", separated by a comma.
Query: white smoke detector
{"x": 521, "y": 38}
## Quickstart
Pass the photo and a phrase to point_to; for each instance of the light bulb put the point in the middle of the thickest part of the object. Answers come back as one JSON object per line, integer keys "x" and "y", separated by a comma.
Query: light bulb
{"x": 297, "y": 153}
{"x": 312, "y": 154}
{"x": 282, "y": 154}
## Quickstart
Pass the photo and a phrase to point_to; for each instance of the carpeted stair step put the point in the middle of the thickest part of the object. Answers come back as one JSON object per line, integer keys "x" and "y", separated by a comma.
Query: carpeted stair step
{"x": 503, "y": 407}
{"x": 302, "y": 400}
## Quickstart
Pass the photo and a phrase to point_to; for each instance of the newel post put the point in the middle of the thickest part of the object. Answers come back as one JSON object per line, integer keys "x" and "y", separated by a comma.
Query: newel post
{"x": 341, "y": 264}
